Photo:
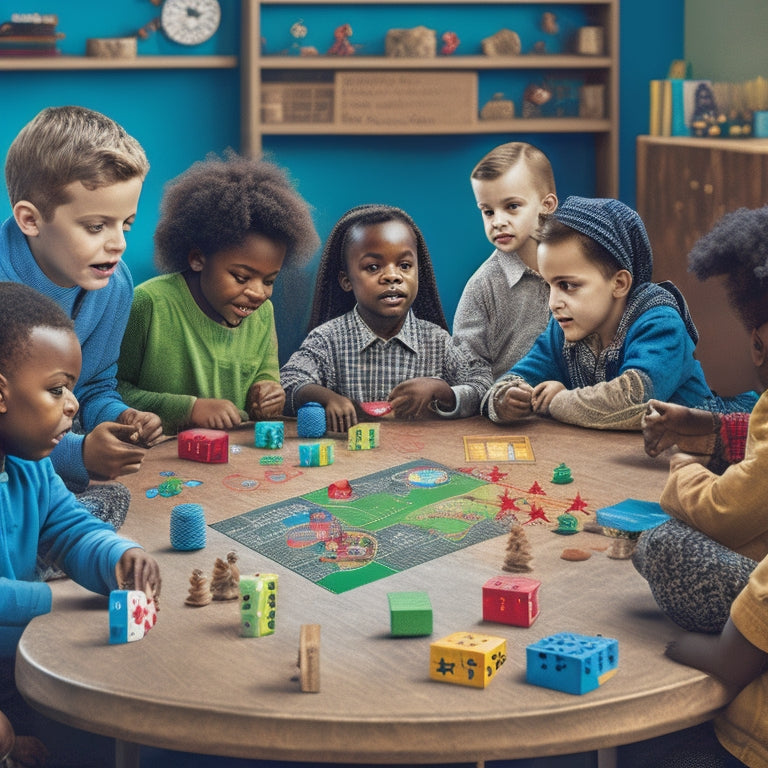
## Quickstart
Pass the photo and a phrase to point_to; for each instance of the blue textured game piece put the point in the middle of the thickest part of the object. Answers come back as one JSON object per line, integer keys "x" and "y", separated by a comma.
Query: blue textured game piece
{"x": 187, "y": 527}
{"x": 310, "y": 420}
{"x": 571, "y": 663}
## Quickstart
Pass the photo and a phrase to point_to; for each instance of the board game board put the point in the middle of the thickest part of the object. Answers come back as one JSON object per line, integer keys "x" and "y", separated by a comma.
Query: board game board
{"x": 393, "y": 520}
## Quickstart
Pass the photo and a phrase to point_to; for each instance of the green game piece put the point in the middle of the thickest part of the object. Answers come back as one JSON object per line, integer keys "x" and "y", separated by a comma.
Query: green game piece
{"x": 271, "y": 460}
{"x": 410, "y": 614}
{"x": 170, "y": 487}
{"x": 562, "y": 475}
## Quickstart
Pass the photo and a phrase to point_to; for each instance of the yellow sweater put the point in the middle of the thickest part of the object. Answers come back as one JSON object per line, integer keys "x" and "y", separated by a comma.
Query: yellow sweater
{"x": 731, "y": 508}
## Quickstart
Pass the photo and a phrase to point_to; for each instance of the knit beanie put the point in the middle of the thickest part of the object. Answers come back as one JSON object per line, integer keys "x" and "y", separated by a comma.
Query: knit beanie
{"x": 616, "y": 227}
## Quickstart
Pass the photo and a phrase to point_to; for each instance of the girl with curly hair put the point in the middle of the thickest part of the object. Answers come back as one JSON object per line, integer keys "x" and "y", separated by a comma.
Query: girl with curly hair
{"x": 200, "y": 348}
{"x": 377, "y": 330}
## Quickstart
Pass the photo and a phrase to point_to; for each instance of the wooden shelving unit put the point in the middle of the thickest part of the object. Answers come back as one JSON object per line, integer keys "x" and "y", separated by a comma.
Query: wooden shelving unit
{"x": 256, "y": 68}
{"x": 35, "y": 63}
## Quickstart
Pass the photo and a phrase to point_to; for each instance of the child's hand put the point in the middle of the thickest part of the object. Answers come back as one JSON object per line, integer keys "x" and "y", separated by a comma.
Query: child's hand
{"x": 265, "y": 400}
{"x": 411, "y": 399}
{"x": 514, "y": 403}
{"x": 668, "y": 425}
{"x": 137, "y": 570}
{"x": 215, "y": 414}
{"x": 29, "y": 752}
{"x": 340, "y": 413}
{"x": 680, "y": 459}
{"x": 543, "y": 394}
{"x": 111, "y": 449}
{"x": 148, "y": 425}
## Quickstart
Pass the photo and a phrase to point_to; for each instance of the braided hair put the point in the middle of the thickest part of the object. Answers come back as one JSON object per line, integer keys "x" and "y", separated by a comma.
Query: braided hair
{"x": 331, "y": 300}
{"x": 737, "y": 248}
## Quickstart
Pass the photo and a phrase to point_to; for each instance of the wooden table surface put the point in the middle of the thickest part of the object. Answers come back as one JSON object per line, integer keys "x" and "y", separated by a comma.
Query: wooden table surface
{"x": 193, "y": 684}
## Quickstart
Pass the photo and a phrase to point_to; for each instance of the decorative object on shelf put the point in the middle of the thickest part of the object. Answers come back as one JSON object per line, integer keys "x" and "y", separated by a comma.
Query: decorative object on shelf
{"x": 298, "y": 32}
{"x": 589, "y": 41}
{"x": 111, "y": 47}
{"x": 30, "y": 34}
{"x": 450, "y": 42}
{"x": 341, "y": 45}
{"x": 498, "y": 108}
{"x": 505, "y": 42}
{"x": 549, "y": 23}
{"x": 187, "y": 22}
{"x": 535, "y": 97}
{"x": 592, "y": 101}
{"x": 416, "y": 43}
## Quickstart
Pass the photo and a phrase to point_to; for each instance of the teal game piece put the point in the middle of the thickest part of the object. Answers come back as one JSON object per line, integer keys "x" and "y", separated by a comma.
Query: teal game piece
{"x": 410, "y": 614}
{"x": 268, "y": 434}
{"x": 562, "y": 475}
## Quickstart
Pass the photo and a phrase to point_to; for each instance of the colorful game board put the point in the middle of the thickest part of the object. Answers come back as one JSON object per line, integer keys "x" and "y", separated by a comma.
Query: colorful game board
{"x": 393, "y": 520}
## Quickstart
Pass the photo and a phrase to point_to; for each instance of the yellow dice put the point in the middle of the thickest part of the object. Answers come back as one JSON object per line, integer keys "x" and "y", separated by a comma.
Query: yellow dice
{"x": 467, "y": 658}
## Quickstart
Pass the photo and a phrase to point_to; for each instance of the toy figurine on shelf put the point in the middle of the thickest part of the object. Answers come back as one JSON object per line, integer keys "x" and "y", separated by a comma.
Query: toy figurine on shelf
{"x": 225, "y": 582}
{"x": 450, "y": 43}
{"x": 341, "y": 45}
{"x": 534, "y": 97}
{"x": 549, "y": 23}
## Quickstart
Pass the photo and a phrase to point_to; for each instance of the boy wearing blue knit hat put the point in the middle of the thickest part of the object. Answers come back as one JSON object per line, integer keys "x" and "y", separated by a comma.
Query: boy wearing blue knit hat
{"x": 615, "y": 339}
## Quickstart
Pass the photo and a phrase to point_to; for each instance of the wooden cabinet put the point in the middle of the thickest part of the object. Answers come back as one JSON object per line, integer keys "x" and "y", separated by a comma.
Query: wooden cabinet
{"x": 684, "y": 186}
{"x": 258, "y": 69}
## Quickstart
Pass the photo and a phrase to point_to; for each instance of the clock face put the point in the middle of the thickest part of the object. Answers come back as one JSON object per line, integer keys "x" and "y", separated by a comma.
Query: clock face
{"x": 190, "y": 22}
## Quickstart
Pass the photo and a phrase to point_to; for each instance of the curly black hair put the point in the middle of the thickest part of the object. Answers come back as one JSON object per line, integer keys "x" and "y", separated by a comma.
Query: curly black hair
{"x": 22, "y": 309}
{"x": 331, "y": 300}
{"x": 737, "y": 248}
{"x": 216, "y": 203}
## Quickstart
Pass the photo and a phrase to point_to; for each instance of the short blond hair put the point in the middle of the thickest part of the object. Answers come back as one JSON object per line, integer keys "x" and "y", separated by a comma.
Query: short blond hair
{"x": 500, "y": 159}
{"x": 62, "y": 145}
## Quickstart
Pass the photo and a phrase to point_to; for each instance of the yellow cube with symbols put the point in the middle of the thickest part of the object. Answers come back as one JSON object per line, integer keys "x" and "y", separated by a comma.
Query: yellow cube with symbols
{"x": 467, "y": 658}
{"x": 363, "y": 436}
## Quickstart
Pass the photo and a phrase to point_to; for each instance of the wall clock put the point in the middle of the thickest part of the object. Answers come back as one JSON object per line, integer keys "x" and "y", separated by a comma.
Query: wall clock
{"x": 190, "y": 22}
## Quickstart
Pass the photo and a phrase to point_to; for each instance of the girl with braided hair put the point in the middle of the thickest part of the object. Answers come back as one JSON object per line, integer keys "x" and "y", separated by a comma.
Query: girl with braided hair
{"x": 377, "y": 331}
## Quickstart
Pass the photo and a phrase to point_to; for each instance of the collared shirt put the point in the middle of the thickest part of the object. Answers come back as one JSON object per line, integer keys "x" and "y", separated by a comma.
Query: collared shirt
{"x": 347, "y": 357}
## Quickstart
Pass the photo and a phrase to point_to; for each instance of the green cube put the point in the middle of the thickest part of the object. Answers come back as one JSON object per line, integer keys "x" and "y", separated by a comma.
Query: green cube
{"x": 410, "y": 614}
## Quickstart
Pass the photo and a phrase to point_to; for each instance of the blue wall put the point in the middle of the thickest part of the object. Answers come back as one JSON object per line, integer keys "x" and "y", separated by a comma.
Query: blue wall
{"x": 180, "y": 115}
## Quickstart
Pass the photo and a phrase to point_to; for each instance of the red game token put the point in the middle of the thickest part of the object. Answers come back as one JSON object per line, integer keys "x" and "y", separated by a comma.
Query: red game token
{"x": 377, "y": 407}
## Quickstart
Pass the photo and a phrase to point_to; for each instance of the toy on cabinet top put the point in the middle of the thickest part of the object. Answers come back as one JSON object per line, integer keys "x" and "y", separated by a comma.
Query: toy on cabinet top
{"x": 341, "y": 45}
{"x": 450, "y": 43}
{"x": 416, "y": 43}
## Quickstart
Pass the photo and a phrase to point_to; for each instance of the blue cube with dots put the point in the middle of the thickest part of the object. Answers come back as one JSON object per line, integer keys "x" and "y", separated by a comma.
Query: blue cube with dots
{"x": 571, "y": 663}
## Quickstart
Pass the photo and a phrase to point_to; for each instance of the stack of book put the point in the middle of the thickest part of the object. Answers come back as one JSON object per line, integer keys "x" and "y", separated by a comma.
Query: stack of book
{"x": 674, "y": 102}
{"x": 30, "y": 34}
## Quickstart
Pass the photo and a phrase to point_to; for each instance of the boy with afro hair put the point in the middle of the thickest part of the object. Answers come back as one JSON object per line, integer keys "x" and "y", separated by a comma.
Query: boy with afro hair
{"x": 200, "y": 348}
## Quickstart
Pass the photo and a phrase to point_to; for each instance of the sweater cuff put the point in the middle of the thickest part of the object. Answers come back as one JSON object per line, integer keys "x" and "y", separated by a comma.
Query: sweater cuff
{"x": 67, "y": 459}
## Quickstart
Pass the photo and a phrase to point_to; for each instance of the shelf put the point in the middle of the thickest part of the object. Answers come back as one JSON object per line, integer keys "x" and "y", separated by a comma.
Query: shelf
{"x": 31, "y": 63}
{"x": 439, "y": 2}
{"x": 532, "y": 125}
{"x": 436, "y": 62}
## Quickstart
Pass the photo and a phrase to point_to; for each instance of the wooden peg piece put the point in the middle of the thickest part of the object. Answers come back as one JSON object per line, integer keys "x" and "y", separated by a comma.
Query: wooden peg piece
{"x": 309, "y": 658}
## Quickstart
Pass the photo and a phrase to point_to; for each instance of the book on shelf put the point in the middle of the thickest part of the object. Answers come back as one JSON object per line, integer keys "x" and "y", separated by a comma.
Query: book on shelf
{"x": 672, "y": 105}
{"x": 29, "y": 34}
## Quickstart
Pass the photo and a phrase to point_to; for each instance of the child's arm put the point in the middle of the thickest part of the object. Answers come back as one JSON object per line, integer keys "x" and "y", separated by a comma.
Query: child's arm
{"x": 413, "y": 399}
{"x": 509, "y": 400}
{"x": 148, "y": 426}
{"x": 265, "y": 400}
{"x": 729, "y": 655}
{"x": 690, "y": 429}
{"x": 111, "y": 450}
{"x": 340, "y": 413}
{"x": 211, "y": 413}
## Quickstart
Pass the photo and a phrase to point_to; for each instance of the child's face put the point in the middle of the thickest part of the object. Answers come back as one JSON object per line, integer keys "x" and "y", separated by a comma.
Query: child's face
{"x": 235, "y": 282}
{"x": 36, "y": 401}
{"x": 510, "y": 206}
{"x": 382, "y": 272}
{"x": 84, "y": 241}
{"x": 582, "y": 299}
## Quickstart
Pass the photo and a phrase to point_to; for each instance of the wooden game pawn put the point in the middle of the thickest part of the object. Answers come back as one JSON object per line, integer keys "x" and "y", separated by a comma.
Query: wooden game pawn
{"x": 225, "y": 582}
{"x": 199, "y": 592}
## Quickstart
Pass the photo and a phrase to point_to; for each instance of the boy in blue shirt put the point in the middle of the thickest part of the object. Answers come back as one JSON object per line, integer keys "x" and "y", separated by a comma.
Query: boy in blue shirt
{"x": 39, "y": 365}
{"x": 74, "y": 178}
{"x": 615, "y": 339}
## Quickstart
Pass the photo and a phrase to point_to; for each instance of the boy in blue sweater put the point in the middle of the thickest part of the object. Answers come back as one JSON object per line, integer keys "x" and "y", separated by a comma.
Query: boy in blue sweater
{"x": 74, "y": 178}
{"x": 39, "y": 365}
{"x": 615, "y": 338}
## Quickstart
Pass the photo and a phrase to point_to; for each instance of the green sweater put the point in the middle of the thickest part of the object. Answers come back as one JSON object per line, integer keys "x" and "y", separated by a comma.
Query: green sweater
{"x": 173, "y": 353}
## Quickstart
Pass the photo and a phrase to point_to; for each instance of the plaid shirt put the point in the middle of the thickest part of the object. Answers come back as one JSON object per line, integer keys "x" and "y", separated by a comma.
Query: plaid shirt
{"x": 346, "y": 356}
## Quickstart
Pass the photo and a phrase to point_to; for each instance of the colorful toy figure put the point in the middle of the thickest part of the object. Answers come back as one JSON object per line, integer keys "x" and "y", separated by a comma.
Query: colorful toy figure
{"x": 571, "y": 663}
{"x": 319, "y": 454}
{"x": 341, "y": 45}
{"x": 450, "y": 43}
{"x": 562, "y": 475}
{"x": 363, "y": 436}
{"x": 131, "y": 615}
{"x": 511, "y": 600}
{"x": 258, "y": 604}
{"x": 467, "y": 658}
{"x": 210, "y": 446}
{"x": 268, "y": 434}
